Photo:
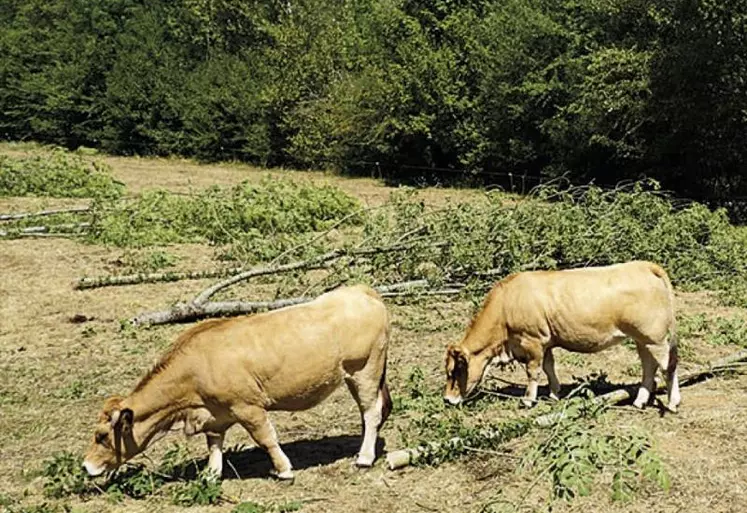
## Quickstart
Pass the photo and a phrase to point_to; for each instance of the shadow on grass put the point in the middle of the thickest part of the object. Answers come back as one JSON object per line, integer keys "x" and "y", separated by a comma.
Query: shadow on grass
{"x": 598, "y": 383}
{"x": 243, "y": 462}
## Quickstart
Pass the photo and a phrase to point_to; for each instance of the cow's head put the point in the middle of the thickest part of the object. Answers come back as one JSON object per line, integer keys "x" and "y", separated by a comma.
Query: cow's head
{"x": 464, "y": 371}
{"x": 113, "y": 441}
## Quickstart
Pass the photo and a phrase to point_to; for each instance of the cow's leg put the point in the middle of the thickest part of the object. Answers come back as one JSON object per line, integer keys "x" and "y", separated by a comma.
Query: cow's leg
{"x": 673, "y": 383}
{"x": 664, "y": 356}
{"x": 673, "y": 389}
{"x": 371, "y": 394}
{"x": 256, "y": 421}
{"x": 548, "y": 365}
{"x": 215, "y": 448}
{"x": 648, "y": 365}
{"x": 533, "y": 374}
{"x": 533, "y": 350}
{"x": 533, "y": 371}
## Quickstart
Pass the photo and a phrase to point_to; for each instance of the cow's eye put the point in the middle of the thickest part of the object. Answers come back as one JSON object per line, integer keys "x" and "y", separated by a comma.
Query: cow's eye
{"x": 101, "y": 438}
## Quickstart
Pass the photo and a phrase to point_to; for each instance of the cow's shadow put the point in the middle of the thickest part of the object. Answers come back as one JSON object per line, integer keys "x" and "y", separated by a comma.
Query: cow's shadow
{"x": 597, "y": 383}
{"x": 243, "y": 462}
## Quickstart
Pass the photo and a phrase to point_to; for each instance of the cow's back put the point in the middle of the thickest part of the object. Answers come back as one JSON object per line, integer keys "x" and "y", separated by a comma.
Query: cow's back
{"x": 292, "y": 357}
{"x": 584, "y": 305}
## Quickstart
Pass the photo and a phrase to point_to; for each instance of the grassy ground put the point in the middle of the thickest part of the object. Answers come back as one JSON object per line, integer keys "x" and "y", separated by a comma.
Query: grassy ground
{"x": 54, "y": 375}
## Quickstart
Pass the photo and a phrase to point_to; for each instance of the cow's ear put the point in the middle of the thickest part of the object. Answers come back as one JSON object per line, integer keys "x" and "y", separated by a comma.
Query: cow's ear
{"x": 114, "y": 418}
{"x": 458, "y": 354}
{"x": 126, "y": 419}
{"x": 122, "y": 419}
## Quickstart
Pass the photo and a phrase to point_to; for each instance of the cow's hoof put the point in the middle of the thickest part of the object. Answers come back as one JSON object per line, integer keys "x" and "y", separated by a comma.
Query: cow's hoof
{"x": 364, "y": 462}
{"x": 214, "y": 474}
{"x": 285, "y": 475}
{"x": 554, "y": 396}
{"x": 639, "y": 404}
{"x": 527, "y": 403}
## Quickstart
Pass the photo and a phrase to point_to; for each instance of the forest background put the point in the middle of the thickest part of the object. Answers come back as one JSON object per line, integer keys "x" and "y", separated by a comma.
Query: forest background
{"x": 416, "y": 91}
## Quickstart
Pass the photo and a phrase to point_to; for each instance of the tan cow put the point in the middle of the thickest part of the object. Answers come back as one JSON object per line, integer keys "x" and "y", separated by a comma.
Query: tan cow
{"x": 227, "y": 371}
{"x": 528, "y": 314}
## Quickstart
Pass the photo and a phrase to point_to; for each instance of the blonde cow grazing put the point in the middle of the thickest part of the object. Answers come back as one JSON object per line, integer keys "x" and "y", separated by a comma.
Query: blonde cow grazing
{"x": 588, "y": 310}
{"x": 222, "y": 372}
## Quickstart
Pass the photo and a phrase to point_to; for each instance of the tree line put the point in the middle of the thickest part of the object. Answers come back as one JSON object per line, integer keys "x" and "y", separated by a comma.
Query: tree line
{"x": 442, "y": 90}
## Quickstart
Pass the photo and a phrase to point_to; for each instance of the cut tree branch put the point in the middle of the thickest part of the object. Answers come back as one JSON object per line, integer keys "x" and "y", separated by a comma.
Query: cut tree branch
{"x": 237, "y": 273}
{"x": 405, "y": 457}
{"x": 138, "y": 278}
{"x": 206, "y": 294}
{"x": 333, "y": 255}
{"x": 184, "y": 312}
{"x": 33, "y": 230}
{"x": 41, "y": 213}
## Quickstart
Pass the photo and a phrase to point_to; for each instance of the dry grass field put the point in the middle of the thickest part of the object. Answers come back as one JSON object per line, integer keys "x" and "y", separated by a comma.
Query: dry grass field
{"x": 55, "y": 374}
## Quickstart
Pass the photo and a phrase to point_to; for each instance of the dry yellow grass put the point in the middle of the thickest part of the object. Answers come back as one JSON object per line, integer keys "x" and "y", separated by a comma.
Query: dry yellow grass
{"x": 185, "y": 175}
{"x": 54, "y": 375}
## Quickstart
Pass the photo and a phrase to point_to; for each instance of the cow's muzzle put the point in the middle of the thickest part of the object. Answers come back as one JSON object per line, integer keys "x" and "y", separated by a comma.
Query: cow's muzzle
{"x": 92, "y": 469}
{"x": 453, "y": 400}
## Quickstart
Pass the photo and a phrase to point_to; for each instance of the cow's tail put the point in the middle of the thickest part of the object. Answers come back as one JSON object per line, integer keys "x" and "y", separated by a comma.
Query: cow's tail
{"x": 386, "y": 407}
{"x": 673, "y": 338}
{"x": 673, "y": 356}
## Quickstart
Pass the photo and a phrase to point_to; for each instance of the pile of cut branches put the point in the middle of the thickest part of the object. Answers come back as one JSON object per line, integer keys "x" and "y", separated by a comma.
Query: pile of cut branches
{"x": 463, "y": 248}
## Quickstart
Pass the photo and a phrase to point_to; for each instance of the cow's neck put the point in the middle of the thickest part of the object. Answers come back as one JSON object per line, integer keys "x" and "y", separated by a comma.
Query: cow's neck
{"x": 488, "y": 328}
{"x": 156, "y": 406}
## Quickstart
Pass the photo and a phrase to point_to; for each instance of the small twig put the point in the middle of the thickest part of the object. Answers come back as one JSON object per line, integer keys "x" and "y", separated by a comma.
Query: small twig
{"x": 502, "y": 454}
{"x": 508, "y": 396}
{"x": 229, "y": 499}
{"x": 533, "y": 484}
{"x": 440, "y": 292}
{"x": 235, "y": 472}
{"x": 426, "y": 507}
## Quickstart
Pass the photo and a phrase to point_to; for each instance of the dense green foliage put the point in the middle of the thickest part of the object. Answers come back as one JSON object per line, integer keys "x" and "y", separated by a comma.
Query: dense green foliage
{"x": 470, "y": 243}
{"x": 260, "y": 214}
{"x": 480, "y": 241}
{"x": 598, "y": 89}
{"x": 574, "y": 454}
{"x": 57, "y": 174}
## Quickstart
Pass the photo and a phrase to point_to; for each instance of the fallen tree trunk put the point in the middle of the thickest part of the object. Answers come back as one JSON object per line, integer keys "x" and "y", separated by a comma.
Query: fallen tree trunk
{"x": 138, "y": 278}
{"x": 33, "y": 230}
{"x": 404, "y": 457}
{"x": 42, "y": 213}
{"x": 54, "y": 235}
{"x": 183, "y": 312}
